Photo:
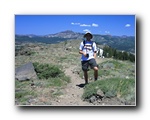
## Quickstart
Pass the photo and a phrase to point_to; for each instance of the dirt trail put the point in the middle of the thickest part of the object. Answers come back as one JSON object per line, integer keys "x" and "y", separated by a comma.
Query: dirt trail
{"x": 74, "y": 90}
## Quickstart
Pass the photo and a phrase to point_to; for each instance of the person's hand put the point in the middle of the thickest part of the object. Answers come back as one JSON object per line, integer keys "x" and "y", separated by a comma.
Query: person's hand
{"x": 84, "y": 54}
{"x": 94, "y": 55}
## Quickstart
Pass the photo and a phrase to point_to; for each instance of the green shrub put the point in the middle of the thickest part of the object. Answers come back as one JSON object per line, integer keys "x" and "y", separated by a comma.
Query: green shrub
{"x": 23, "y": 96}
{"x": 54, "y": 82}
{"x": 116, "y": 63}
{"x": 50, "y": 75}
{"x": 122, "y": 88}
{"x": 45, "y": 71}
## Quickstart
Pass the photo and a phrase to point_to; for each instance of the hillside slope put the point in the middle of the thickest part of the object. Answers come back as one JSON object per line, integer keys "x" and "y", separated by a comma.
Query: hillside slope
{"x": 61, "y": 90}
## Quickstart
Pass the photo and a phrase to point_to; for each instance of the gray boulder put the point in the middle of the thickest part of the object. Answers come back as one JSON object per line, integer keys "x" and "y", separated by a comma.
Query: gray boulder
{"x": 25, "y": 72}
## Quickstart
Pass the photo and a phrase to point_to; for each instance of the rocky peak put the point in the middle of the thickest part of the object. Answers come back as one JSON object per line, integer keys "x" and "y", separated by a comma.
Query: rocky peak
{"x": 65, "y": 34}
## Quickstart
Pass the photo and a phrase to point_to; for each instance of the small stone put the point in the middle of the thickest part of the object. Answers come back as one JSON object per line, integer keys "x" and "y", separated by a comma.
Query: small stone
{"x": 100, "y": 93}
{"x": 92, "y": 99}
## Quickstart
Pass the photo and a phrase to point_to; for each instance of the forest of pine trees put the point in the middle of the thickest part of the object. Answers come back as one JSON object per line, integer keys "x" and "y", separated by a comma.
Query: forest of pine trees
{"x": 116, "y": 54}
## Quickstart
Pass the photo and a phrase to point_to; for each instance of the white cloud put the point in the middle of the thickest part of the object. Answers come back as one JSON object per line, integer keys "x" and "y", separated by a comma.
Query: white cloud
{"x": 107, "y": 32}
{"x": 127, "y": 25}
{"x": 85, "y": 25}
{"x": 87, "y": 31}
{"x": 75, "y": 23}
{"x": 94, "y": 25}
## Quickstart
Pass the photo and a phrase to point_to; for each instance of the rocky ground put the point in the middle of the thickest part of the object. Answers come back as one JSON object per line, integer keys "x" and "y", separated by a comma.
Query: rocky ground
{"x": 72, "y": 94}
{"x": 64, "y": 54}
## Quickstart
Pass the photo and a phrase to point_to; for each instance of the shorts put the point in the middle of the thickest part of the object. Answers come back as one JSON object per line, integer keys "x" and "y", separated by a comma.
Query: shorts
{"x": 85, "y": 64}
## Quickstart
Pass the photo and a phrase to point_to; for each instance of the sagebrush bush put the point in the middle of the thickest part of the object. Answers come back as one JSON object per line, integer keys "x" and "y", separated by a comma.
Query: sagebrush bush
{"x": 124, "y": 88}
{"x": 45, "y": 71}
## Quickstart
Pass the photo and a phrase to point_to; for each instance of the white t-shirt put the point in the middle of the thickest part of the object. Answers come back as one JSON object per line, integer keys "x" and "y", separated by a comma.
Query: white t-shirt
{"x": 88, "y": 49}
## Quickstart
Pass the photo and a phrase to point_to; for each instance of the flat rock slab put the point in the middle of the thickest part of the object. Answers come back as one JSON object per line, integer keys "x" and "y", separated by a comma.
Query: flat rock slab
{"x": 25, "y": 72}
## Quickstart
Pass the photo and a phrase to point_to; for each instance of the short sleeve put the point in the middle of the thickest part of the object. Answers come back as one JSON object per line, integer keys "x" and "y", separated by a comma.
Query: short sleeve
{"x": 81, "y": 46}
{"x": 94, "y": 47}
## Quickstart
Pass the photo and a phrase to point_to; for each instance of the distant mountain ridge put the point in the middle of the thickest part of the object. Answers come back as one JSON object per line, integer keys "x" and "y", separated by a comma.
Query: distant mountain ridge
{"x": 126, "y": 43}
{"x": 66, "y": 34}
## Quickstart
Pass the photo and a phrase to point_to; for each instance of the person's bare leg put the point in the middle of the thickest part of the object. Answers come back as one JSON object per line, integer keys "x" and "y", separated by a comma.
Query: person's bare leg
{"x": 95, "y": 73}
{"x": 86, "y": 77}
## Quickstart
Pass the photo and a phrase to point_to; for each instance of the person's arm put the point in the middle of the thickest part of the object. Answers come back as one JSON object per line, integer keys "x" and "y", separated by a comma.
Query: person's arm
{"x": 95, "y": 55}
{"x": 81, "y": 52}
{"x": 80, "y": 48}
{"x": 95, "y": 50}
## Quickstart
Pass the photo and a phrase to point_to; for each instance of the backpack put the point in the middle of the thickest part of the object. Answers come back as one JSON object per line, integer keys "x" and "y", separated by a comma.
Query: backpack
{"x": 91, "y": 45}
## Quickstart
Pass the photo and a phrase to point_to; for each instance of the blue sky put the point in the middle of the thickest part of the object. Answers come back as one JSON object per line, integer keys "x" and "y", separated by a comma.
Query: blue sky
{"x": 96, "y": 24}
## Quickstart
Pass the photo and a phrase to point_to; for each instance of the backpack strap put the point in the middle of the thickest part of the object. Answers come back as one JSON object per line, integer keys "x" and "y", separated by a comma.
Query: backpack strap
{"x": 83, "y": 42}
{"x": 84, "y": 45}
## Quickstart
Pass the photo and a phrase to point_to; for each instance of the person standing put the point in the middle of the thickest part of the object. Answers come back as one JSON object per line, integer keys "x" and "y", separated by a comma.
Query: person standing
{"x": 88, "y": 50}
